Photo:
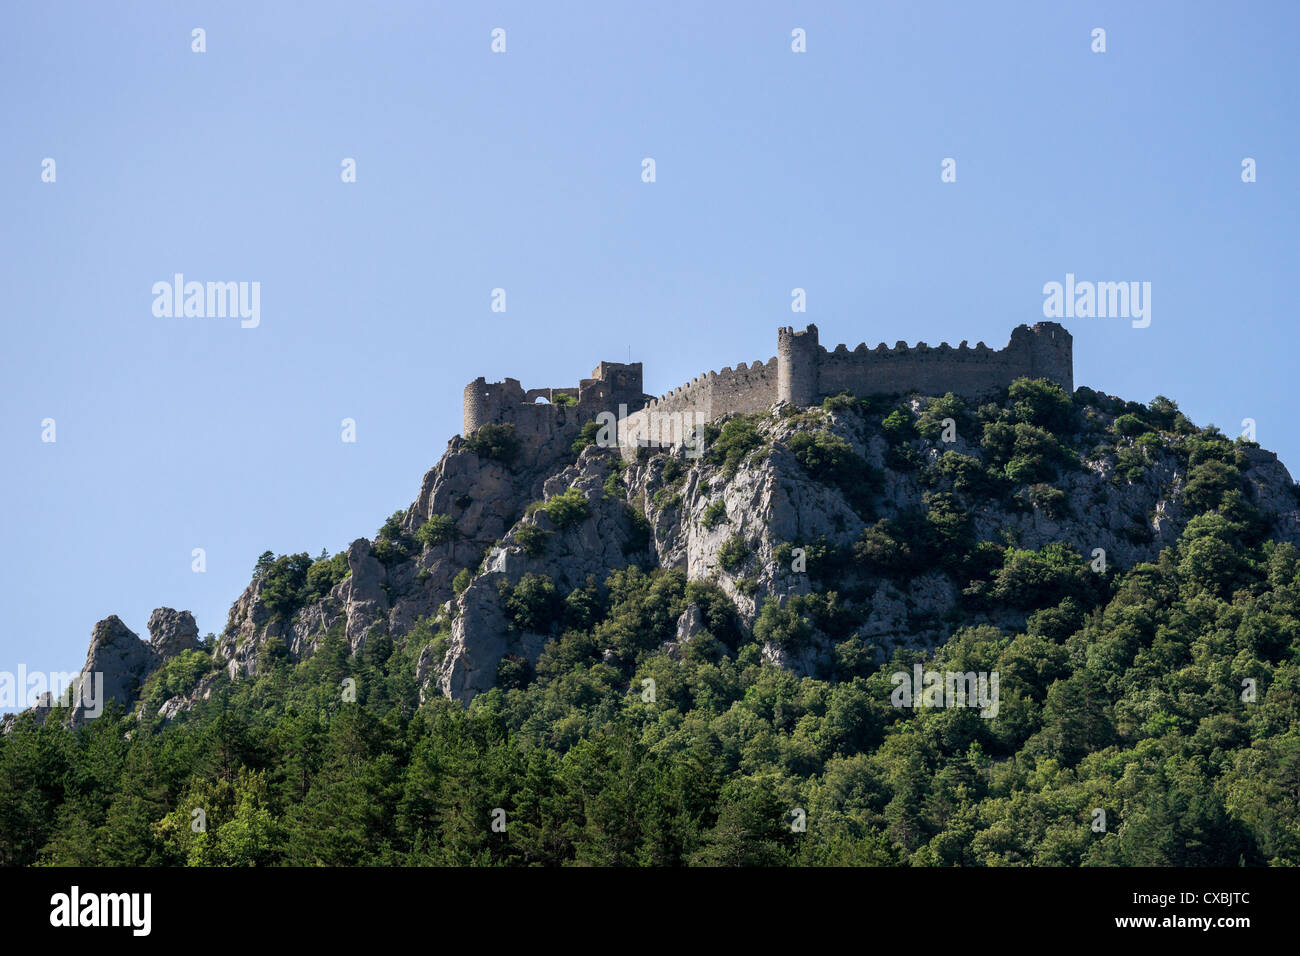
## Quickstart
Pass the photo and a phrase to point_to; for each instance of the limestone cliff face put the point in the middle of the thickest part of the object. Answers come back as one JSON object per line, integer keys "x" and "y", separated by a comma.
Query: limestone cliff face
{"x": 771, "y": 502}
{"x": 739, "y": 521}
{"x": 608, "y": 537}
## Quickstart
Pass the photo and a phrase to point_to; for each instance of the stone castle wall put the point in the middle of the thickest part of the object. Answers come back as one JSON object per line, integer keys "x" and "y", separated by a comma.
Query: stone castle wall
{"x": 802, "y": 373}
{"x": 745, "y": 389}
{"x": 550, "y": 422}
{"x": 1038, "y": 352}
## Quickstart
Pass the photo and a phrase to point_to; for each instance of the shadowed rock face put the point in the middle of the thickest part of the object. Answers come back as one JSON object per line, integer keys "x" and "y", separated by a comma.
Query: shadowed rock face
{"x": 116, "y": 667}
{"x": 362, "y": 591}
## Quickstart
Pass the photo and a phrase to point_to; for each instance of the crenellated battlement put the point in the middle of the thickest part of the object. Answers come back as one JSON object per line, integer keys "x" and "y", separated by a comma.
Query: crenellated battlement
{"x": 803, "y": 372}
{"x": 1044, "y": 350}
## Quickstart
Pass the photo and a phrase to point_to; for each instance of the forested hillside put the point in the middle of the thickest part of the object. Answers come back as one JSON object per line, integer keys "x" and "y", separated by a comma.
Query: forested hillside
{"x": 717, "y": 688}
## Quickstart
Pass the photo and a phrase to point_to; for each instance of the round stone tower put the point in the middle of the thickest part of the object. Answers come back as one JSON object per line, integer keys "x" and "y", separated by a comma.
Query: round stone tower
{"x": 474, "y": 411}
{"x": 797, "y": 362}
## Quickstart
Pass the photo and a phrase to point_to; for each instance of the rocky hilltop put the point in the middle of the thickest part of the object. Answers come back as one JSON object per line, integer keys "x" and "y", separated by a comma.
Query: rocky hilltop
{"x": 826, "y": 534}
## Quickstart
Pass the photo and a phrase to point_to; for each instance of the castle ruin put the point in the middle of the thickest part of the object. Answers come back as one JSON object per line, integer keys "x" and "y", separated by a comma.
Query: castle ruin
{"x": 802, "y": 373}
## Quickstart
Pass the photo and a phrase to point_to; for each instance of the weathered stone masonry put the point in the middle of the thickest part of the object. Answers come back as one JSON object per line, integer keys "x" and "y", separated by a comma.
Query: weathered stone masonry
{"x": 550, "y": 421}
{"x": 802, "y": 373}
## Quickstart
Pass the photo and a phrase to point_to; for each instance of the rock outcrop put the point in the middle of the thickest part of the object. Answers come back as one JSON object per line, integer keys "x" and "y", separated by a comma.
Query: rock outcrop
{"x": 608, "y": 537}
{"x": 118, "y": 664}
{"x": 171, "y": 632}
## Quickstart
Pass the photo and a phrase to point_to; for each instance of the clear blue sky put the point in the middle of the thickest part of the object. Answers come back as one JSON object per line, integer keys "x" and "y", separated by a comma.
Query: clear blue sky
{"x": 523, "y": 171}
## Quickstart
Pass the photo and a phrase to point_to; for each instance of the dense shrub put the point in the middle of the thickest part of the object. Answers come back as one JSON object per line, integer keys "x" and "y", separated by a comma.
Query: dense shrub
{"x": 514, "y": 672}
{"x": 1042, "y": 403}
{"x": 584, "y": 606}
{"x": 324, "y": 573}
{"x": 782, "y": 624}
{"x": 822, "y": 559}
{"x": 790, "y": 624}
{"x": 613, "y": 483}
{"x": 674, "y": 470}
{"x": 729, "y": 445}
{"x": 565, "y": 509}
{"x": 392, "y": 544}
{"x": 1038, "y": 579}
{"x": 586, "y": 436}
{"x": 898, "y": 426}
{"x": 437, "y": 530}
{"x": 461, "y": 581}
{"x": 1212, "y": 445}
{"x": 640, "y": 533}
{"x": 533, "y": 604}
{"x": 883, "y": 548}
{"x": 1162, "y": 413}
{"x": 825, "y": 456}
{"x": 1026, "y": 453}
{"x": 828, "y": 458}
{"x": 1049, "y": 500}
{"x": 929, "y": 424}
{"x": 1129, "y": 426}
{"x": 1207, "y": 482}
{"x": 968, "y": 474}
{"x": 733, "y": 553}
{"x": 284, "y": 584}
{"x": 178, "y": 675}
{"x": 714, "y": 514}
{"x": 389, "y": 552}
{"x": 844, "y": 403}
{"x": 531, "y": 539}
{"x": 391, "y": 529}
{"x": 719, "y": 614}
{"x": 1131, "y": 461}
{"x": 496, "y": 442}
{"x": 949, "y": 532}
